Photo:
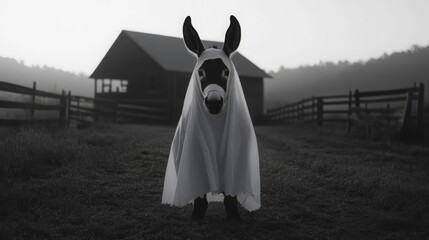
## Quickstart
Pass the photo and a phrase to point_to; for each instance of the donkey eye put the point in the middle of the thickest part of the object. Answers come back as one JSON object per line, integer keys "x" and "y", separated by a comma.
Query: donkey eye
{"x": 201, "y": 73}
{"x": 225, "y": 73}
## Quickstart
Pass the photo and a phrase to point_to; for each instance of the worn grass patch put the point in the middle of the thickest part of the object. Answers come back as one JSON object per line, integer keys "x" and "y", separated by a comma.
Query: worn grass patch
{"x": 105, "y": 182}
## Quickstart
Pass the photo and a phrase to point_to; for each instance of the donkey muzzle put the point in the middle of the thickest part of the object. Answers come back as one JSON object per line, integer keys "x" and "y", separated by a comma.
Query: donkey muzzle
{"x": 214, "y": 96}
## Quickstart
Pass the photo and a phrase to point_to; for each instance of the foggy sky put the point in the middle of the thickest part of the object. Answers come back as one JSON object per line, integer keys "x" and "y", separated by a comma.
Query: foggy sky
{"x": 74, "y": 35}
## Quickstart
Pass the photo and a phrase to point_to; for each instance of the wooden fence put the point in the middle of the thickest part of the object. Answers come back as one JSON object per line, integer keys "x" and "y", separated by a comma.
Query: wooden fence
{"x": 35, "y": 104}
{"x": 68, "y": 108}
{"x": 87, "y": 110}
{"x": 404, "y": 106}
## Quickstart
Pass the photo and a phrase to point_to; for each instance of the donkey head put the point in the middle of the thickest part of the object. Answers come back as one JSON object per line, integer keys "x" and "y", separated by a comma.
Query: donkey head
{"x": 213, "y": 74}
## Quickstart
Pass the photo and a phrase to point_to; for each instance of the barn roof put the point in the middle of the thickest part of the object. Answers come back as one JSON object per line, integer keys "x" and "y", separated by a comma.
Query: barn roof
{"x": 171, "y": 54}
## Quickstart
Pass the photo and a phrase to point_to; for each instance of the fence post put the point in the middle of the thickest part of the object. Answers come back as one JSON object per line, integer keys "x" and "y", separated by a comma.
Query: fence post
{"x": 420, "y": 106}
{"x": 68, "y": 113}
{"x": 63, "y": 106}
{"x": 349, "y": 111}
{"x": 319, "y": 111}
{"x": 33, "y": 103}
{"x": 357, "y": 99}
{"x": 78, "y": 109}
{"x": 312, "y": 109}
{"x": 407, "y": 113}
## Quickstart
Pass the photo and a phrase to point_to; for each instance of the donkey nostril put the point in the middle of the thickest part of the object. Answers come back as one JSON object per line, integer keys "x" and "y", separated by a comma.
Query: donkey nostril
{"x": 214, "y": 106}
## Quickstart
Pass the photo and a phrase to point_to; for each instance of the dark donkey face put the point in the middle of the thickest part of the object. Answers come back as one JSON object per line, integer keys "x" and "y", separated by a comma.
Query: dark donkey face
{"x": 213, "y": 72}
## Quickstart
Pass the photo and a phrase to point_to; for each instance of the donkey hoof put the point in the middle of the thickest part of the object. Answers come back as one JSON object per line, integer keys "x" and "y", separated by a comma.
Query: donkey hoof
{"x": 200, "y": 208}
{"x": 231, "y": 208}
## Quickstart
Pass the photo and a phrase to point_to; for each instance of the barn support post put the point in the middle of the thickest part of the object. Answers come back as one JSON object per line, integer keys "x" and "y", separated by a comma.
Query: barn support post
{"x": 33, "y": 103}
{"x": 420, "y": 106}
{"x": 319, "y": 111}
{"x": 95, "y": 87}
{"x": 105, "y": 84}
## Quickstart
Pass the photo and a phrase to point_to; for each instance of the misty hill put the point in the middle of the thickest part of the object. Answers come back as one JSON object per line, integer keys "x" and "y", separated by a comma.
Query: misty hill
{"x": 396, "y": 70}
{"x": 47, "y": 78}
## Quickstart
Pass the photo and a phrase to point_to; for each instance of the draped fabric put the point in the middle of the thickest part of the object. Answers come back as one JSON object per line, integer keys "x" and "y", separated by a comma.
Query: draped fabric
{"x": 213, "y": 154}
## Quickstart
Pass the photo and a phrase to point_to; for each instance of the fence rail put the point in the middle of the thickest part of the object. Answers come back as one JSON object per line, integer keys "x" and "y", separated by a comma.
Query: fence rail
{"x": 39, "y": 101}
{"x": 404, "y": 105}
{"x": 87, "y": 110}
{"x": 78, "y": 108}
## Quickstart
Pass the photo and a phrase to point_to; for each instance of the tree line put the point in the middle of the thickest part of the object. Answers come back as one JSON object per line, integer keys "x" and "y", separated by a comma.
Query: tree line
{"x": 397, "y": 70}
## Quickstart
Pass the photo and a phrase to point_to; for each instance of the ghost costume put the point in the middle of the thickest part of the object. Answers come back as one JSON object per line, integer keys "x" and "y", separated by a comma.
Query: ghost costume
{"x": 213, "y": 154}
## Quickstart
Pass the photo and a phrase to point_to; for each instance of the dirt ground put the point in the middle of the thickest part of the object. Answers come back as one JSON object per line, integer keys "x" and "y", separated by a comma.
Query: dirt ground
{"x": 316, "y": 183}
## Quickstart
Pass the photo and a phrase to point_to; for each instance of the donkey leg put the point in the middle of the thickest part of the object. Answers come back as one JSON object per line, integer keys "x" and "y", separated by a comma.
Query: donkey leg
{"x": 230, "y": 203}
{"x": 200, "y": 207}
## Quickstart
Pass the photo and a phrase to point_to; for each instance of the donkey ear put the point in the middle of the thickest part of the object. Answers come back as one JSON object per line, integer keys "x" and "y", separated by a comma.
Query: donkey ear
{"x": 232, "y": 36}
{"x": 192, "y": 40}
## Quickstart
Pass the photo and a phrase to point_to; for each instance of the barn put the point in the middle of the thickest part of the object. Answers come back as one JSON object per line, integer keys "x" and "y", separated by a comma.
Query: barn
{"x": 153, "y": 71}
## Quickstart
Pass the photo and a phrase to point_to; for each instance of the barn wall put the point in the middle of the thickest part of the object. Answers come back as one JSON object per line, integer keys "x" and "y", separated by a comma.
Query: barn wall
{"x": 126, "y": 60}
{"x": 253, "y": 89}
{"x": 178, "y": 84}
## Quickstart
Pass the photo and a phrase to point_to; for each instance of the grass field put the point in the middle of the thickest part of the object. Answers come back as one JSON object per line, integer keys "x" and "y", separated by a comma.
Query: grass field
{"x": 105, "y": 182}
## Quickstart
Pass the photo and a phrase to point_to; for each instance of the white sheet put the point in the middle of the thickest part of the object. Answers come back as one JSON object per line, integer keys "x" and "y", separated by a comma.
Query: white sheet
{"x": 213, "y": 153}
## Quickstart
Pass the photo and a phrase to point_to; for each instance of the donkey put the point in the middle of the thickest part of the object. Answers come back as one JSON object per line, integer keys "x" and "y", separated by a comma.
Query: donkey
{"x": 214, "y": 153}
{"x": 213, "y": 72}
